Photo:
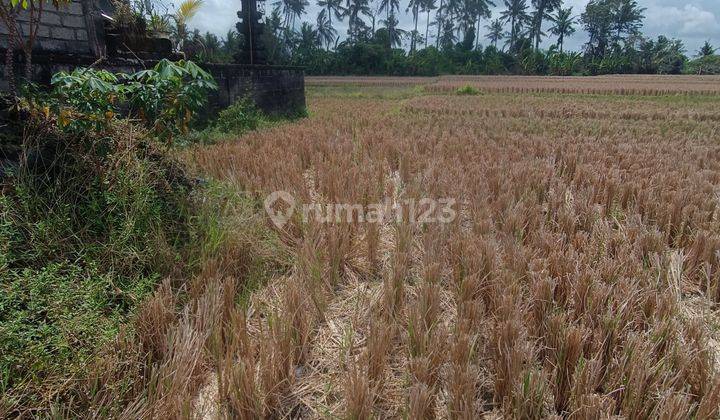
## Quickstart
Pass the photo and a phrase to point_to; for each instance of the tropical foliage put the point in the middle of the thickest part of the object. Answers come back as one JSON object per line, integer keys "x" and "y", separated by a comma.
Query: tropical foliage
{"x": 452, "y": 41}
{"x": 165, "y": 98}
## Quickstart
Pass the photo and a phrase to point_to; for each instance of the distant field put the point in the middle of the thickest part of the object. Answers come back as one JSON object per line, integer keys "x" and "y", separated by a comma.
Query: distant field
{"x": 615, "y": 85}
{"x": 580, "y": 277}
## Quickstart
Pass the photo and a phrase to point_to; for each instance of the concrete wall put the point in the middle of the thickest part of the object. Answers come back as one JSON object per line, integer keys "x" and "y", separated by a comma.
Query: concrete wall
{"x": 275, "y": 89}
{"x": 71, "y": 29}
{"x": 74, "y": 37}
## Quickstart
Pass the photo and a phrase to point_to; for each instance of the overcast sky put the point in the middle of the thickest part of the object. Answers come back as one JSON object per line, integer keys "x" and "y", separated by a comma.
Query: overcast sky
{"x": 693, "y": 22}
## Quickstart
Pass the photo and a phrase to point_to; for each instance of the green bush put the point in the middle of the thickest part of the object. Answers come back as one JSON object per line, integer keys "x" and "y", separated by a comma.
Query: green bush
{"x": 704, "y": 65}
{"x": 240, "y": 117}
{"x": 467, "y": 90}
{"x": 166, "y": 98}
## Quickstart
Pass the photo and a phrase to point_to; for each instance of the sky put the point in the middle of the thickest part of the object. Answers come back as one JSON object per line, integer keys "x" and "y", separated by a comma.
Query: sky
{"x": 694, "y": 21}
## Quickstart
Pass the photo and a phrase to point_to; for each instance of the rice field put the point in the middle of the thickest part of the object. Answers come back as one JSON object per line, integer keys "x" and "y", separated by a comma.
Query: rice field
{"x": 579, "y": 275}
{"x": 645, "y": 85}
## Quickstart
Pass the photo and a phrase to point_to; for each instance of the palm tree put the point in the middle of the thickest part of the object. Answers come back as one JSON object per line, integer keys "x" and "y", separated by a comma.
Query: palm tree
{"x": 333, "y": 7}
{"x": 353, "y": 10}
{"x": 186, "y": 11}
{"x": 481, "y": 11}
{"x": 439, "y": 20}
{"x": 292, "y": 10}
{"x": 706, "y": 50}
{"x": 497, "y": 32}
{"x": 627, "y": 18}
{"x": 515, "y": 13}
{"x": 563, "y": 26}
{"x": 395, "y": 34}
{"x": 308, "y": 37}
{"x": 464, "y": 13}
{"x": 543, "y": 10}
{"x": 448, "y": 38}
{"x": 390, "y": 6}
{"x": 325, "y": 31}
{"x": 427, "y": 6}
{"x": 415, "y": 6}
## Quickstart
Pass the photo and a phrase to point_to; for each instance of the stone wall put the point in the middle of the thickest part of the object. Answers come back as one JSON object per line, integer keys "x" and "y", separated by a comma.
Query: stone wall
{"x": 70, "y": 29}
{"x": 275, "y": 89}
{"x": 74, "y": 37}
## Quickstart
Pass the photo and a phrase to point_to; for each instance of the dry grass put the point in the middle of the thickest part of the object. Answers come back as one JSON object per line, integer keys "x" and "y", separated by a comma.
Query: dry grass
{"x": 580, "y": 278}
{"x": 636, "y": 85}
{"x": 585, "y": 228}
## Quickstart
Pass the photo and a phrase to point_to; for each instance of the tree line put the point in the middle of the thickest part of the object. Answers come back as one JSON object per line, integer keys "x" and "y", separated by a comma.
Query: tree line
{"x": 459, "y": 37}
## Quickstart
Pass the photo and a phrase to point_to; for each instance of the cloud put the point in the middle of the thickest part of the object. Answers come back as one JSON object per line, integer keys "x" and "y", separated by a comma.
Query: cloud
{"x": 690, "y": 20}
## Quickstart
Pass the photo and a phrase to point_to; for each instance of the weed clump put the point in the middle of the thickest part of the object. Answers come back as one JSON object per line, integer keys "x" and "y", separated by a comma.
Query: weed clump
{"x": 88, "y": 223}
{"x": 467, "y": 90}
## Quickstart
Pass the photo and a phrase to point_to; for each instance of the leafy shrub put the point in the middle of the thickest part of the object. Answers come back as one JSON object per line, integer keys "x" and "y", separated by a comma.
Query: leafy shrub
{"x": 467, "y": 90}
{"x": 704, "y": 65}
{"x": 242, "y": 116}
{"x": 165, "y": 99}
{"x": 170, "y": 95}
{"x": 239, "y": 118}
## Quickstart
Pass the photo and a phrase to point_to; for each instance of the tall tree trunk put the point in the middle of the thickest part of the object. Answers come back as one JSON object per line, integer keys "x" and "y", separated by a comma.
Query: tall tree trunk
{"x": 414, "y": 39}
{"x": 438, "y": 20}
{"x": 477, "y": 33}
{"x": 512, "y": 34}
{"x": 427, "y": 27}
{"x": 10, "y": 69}
{"x": 28, "y": 65}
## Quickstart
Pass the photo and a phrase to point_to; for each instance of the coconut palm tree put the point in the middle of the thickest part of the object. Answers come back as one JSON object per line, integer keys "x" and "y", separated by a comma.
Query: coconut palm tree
{"x": 414, "y": 6}
{"x": 516, "y": 14}
{"x": 706, "y": 50}
{"x": 354, "y": 9}
{"x": 496, "y": 32}
{"x": 184, "y": 13}
{"x": 325, "y": 31}
{"x": 308, "y": 37}
{"x": 390, "y": 7}
{"x": 439, "y": 22}
{"x": 334, "y": 8}
{"x": 292, "y": 10}
{"x": 481, "y": 10}
{"x": 543, "y": 11}
{"x": 428, "y": 6}
{"x": 563, "y": 25}
{"x": 395, "y": 34}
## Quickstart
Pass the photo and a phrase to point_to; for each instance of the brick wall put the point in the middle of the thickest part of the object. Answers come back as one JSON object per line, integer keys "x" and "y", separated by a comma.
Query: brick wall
{"x": 68, "y": 30}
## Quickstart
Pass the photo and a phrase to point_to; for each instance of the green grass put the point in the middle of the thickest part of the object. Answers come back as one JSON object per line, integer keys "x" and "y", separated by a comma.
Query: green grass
{"x": 467, "y": 90}
{"x": 240, "y": 118}
{"x": 54, "y": 318}
{"x": 84, "y": 240}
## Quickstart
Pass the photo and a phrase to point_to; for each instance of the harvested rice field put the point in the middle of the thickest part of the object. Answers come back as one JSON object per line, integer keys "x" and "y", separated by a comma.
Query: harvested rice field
{"x": 551, "y": 248}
